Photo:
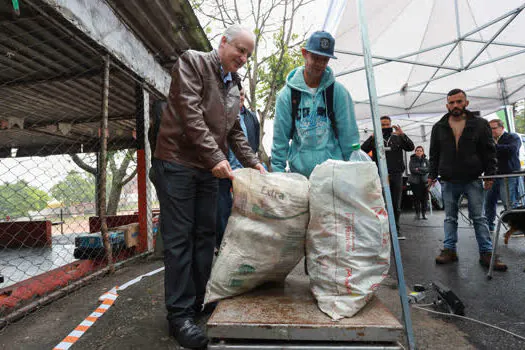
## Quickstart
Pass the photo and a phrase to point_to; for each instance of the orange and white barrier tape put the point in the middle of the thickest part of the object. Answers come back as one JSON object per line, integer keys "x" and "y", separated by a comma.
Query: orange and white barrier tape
{"x": 108, "y": 299}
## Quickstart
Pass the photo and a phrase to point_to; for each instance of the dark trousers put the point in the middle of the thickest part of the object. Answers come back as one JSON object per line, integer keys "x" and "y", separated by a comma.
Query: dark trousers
{"x": 396, "y": 190}
{"x": 224, "y": 208}
{"x": 188, "y": 204}
{"x": 420, "y": 197}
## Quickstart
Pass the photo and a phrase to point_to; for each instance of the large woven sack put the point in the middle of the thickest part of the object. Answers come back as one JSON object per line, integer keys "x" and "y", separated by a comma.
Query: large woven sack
{"x": 264, "y": 238}
{"x": 348, "y": 242}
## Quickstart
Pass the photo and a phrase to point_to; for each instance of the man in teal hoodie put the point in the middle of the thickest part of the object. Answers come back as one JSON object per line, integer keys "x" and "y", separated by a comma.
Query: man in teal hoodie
{"x": 314, "y": 111}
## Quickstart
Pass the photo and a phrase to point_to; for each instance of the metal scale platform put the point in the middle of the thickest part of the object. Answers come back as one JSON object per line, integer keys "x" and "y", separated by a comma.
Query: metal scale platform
{"x": 286, "y": 316}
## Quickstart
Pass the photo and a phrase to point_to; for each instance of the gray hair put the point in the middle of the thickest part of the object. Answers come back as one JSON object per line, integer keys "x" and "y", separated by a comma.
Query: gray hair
{"x": 235, "y": 30}
{"x": 497, "y": 121}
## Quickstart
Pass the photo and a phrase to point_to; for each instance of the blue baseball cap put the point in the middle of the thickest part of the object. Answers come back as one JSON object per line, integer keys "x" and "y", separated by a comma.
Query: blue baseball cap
{"x": 321, "y": 43}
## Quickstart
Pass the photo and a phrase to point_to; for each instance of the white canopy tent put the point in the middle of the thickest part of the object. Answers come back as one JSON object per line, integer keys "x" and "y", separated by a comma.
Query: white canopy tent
{"x": 403, "y": 56}
{"x": 422, "y": 49}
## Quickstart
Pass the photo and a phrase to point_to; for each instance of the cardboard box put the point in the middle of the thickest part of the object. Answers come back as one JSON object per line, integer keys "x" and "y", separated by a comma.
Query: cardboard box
{"x": 131, "y": 234}
{"x": 94, "y": 240}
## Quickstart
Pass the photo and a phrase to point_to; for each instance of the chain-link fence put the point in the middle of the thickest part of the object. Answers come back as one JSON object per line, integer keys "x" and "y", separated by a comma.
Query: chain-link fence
{"x": 74, "y": 157}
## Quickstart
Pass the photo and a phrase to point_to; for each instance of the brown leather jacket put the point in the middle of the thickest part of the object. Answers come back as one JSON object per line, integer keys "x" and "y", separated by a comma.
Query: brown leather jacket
{"x": 201, "y": 118}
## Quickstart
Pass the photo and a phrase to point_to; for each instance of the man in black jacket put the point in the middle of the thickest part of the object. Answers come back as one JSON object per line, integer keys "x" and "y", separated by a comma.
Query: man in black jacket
{"x": 508, "y": 155}
{"x": 396, "y": 141}
{"x": 461, "y": 149}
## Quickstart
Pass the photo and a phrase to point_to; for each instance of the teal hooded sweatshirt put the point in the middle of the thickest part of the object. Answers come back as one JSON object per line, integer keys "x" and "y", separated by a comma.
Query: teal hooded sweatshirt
{"x": 314, "y": 140}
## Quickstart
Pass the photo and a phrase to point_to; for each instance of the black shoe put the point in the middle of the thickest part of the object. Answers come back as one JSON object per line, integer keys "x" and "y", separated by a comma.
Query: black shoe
{"x": 188, "y": 334}
{"x": 424, "y": 217}
{"x": 198, "y": 305}
{"x": 207, "y": 310}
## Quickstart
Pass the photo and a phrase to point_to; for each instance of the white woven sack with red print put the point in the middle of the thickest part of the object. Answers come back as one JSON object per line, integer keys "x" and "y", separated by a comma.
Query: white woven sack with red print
{"x": 347, "y": 241}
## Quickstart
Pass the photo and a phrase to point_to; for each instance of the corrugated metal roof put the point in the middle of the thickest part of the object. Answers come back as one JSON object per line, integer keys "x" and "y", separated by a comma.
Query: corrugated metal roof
{"x": 166, "y": 27}
{"x": 50, "y": 74}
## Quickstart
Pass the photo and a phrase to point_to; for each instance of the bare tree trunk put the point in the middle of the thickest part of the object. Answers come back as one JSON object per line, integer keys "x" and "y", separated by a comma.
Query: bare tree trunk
{"x": 118, "y": 177}
{"x": 118, "y": 181}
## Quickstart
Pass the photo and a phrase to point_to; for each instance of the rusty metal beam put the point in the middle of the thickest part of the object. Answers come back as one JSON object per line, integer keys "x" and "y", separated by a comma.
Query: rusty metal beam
{"x": 103, "y": 165}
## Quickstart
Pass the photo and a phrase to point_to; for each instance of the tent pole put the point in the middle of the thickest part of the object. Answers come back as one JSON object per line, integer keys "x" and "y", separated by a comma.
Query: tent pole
{"x": 487, "y": 44}
{"x": 494, "y": 21}
{"x": 383, "y": 173}
{"x": 509, "y": 118}
{"x": 330, "y": 9}
{"x": 509, "y": 114}
{"x": 458, "y": 30}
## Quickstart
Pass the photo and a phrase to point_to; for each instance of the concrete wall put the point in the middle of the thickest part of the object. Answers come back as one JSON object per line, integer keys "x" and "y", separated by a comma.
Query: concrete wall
{"x": 97, "y": 20}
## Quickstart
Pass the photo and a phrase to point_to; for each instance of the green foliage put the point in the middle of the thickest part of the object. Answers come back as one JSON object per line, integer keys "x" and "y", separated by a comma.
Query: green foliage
{"x": 19, "y": 198}
{"x": 502, "y": 116}
{"x": 519, "y": 116}
{"x": 272, "y": 74}
{"x": 74, "y": 189}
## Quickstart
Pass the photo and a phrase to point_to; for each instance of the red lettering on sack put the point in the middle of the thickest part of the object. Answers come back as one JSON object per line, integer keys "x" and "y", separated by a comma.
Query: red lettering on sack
{"x": 385, "y": 239}
{"x": 347, "y": 280}
{"x": 382, "y": 262}
{"x": 350, "y": 232}
{"x": 380, "y": 212}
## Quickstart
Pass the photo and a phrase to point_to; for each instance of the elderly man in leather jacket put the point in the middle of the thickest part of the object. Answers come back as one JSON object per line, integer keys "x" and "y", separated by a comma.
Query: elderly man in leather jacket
{"x": 198, "y": 125}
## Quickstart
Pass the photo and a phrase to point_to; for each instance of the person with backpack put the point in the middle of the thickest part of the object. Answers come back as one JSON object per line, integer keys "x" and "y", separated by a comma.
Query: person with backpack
{"x": 313, "y": 111}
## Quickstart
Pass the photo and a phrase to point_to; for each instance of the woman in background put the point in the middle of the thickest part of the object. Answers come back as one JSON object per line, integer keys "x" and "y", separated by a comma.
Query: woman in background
{"x": 418, "y": 181}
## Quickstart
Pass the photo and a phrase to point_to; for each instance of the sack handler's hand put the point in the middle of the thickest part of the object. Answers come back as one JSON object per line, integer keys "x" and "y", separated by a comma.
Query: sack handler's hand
{"x": 222, "y": 170}
{"x": 260, "y": 167}
{"x": 487, "y": 185}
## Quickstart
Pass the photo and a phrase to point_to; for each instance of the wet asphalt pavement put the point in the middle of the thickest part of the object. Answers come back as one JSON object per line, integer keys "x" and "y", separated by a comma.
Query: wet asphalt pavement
{"x": 500, "y": 301}
{"x": 18, "y": 264}
{"x": 137, "y": 320}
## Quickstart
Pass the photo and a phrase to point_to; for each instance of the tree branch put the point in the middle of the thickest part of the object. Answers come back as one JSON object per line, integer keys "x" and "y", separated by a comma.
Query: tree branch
{"x": 81, "y": 164}
{"x": 129, "y": 178}
{"x": 111, "y": 160}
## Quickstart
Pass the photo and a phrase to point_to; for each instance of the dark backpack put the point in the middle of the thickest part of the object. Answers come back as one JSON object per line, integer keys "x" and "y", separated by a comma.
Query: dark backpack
{"x": 328, "y": 94}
